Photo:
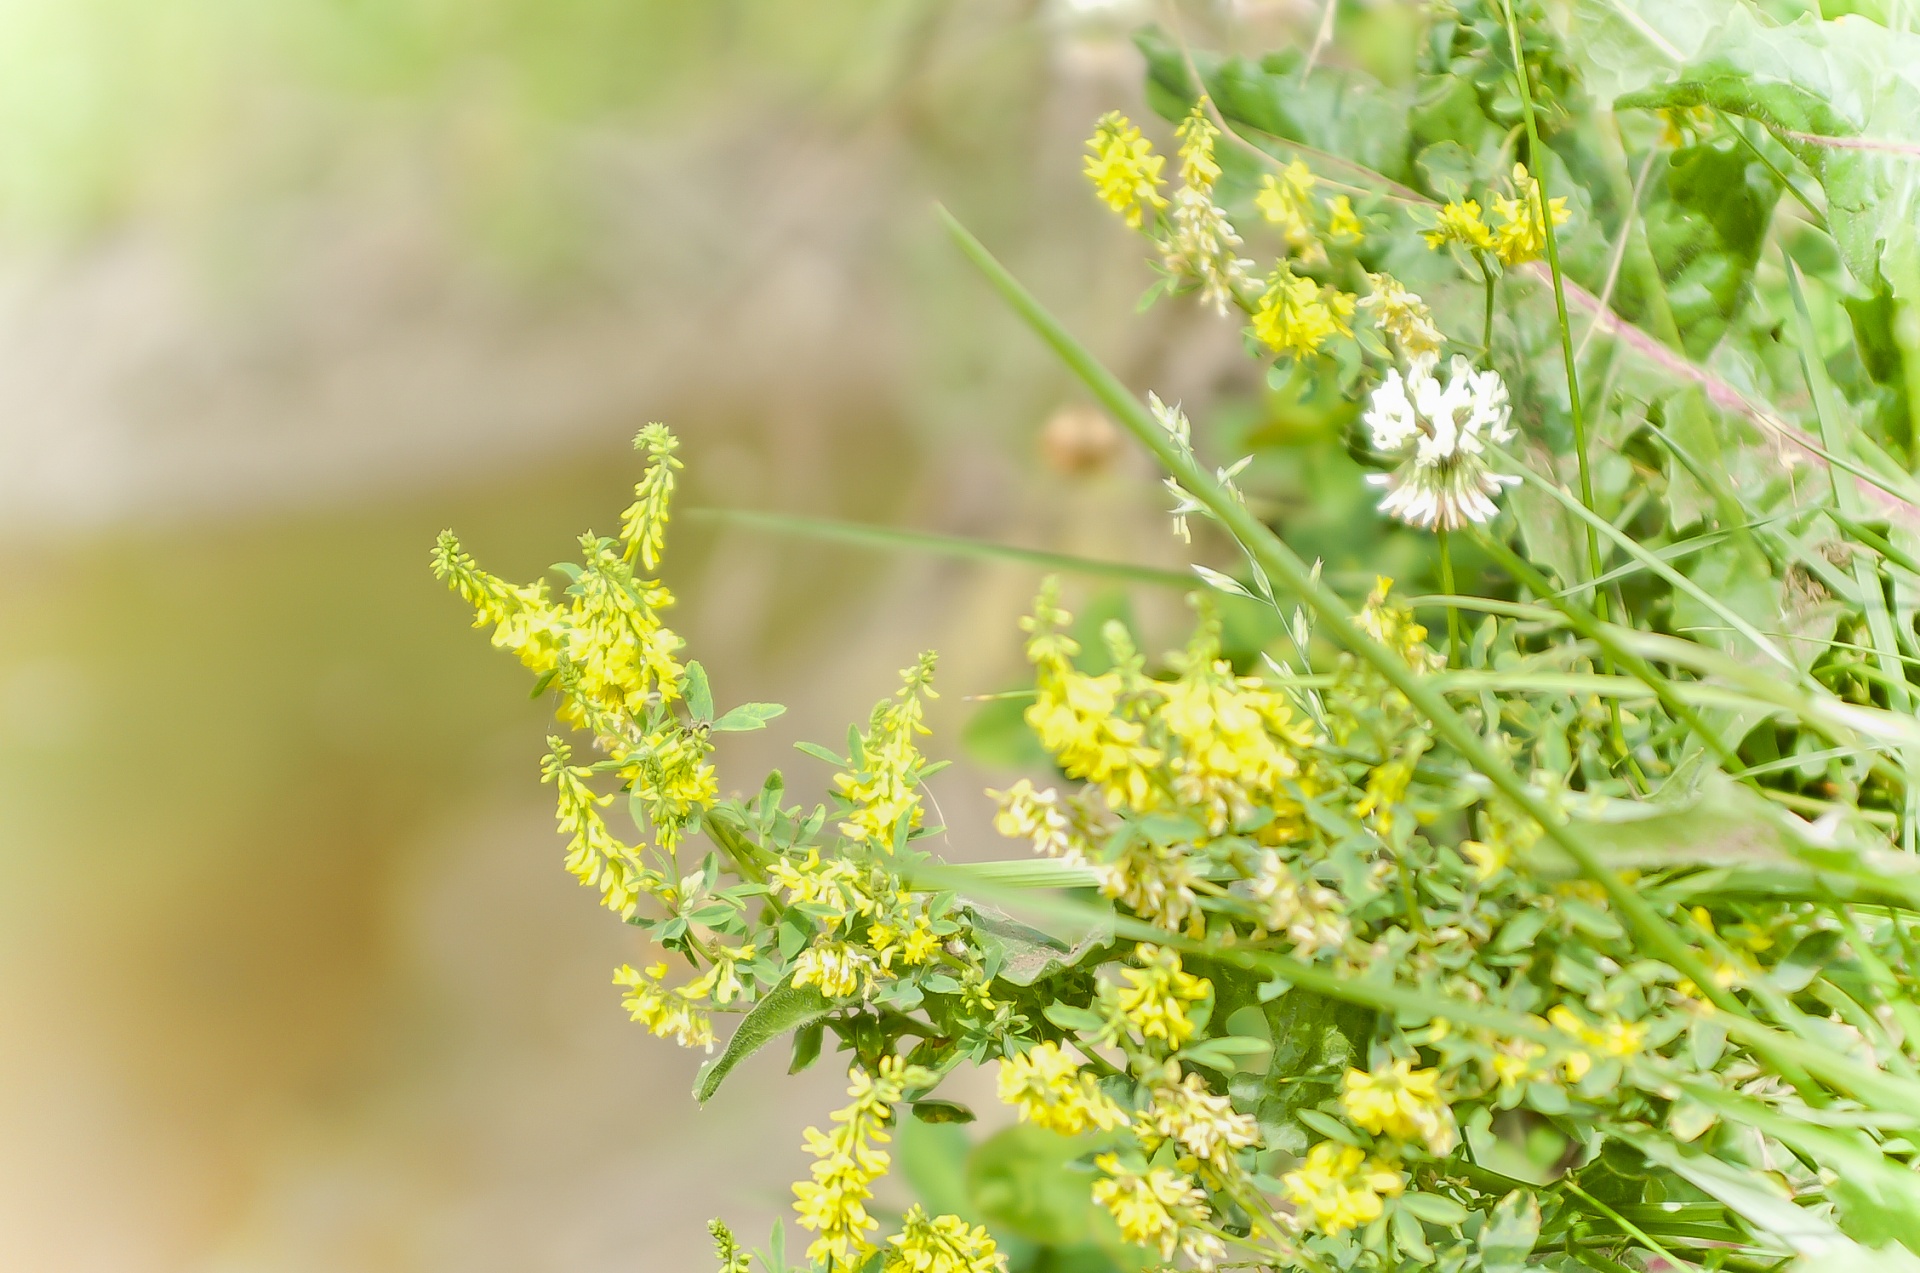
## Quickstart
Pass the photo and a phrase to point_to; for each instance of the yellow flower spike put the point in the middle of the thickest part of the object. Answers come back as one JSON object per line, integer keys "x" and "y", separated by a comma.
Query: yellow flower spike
{"x": 1399, "y": 1101}
{"x": 941, "y": 1244}
{"x": 1285, "y": 199}
{"x": 1201, "y": 1122}
{"x": 1296, "y": 316}
{"x": 1155, "y": 1209}
{"x": 1123, "y": 168}
{"x": 595, "y": 856}
{"x": 1343, "y": 224}
{"x": 1460, "y": 223}
{"x": 644, "y": 525}
{"x": 1339, "y": 1187}
{"x": 884, "y": 777}
{"x": 1155, "y": 997}
{"x": 1197, "y": 134}
{"x": 668, "y": 1014}
{"x": 839, "y": 969}
{"x": 1050, "y": 1090}
{"x": 1402, "y": 315}
{"x": 1522, "y": 236}
{"x": 833, "y": 1204}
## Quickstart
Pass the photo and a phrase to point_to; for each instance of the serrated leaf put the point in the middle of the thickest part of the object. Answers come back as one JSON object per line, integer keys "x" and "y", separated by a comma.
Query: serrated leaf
{"x": 749, "y": 716}
{"x": 786, "y": 1007}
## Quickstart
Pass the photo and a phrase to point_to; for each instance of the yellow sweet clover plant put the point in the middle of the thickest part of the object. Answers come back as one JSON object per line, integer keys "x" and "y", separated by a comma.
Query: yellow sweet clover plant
{"x": 1581, "y": 938}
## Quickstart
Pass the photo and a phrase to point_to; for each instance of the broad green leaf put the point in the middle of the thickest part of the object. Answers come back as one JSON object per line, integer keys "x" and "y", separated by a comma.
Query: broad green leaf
{"x": 1022, "y": 955}
{"x": 699, "y": 695}
{"x": 786, "y": 1007}
{"x": 1844, "y": 97}
{"x": 1706, "y": 217}
{"x": 749, "y": 716}
{"x": 1434, "y": 1209}
{"x": 1510, "y": 1232}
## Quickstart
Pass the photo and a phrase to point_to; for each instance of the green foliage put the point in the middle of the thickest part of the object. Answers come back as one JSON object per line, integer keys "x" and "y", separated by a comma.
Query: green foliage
{"x": 1583, "y": 938}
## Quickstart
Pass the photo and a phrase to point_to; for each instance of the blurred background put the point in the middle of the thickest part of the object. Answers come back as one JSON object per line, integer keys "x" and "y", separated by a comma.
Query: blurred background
{"x": 290, "y": 975}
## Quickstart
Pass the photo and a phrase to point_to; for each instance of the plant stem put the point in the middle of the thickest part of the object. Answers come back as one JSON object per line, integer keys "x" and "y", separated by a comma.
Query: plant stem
{"x": 1446, "y": 586}
{"x": 1535, "y": 152}
{"x": 1486, "y": 325}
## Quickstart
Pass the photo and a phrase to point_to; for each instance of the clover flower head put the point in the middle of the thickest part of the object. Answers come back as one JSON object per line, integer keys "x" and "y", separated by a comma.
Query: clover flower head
{"x": 1439, "y": 432}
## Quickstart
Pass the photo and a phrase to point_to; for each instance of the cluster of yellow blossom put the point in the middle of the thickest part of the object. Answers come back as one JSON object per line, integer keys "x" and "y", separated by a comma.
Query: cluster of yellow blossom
{"x": 1296, "y": 315}
{"x": 644, "y": 524}
{"x": 1522, "y": 233}
{"x": 595, "y": 856}
{"x": 839, "y": 969}
{"x": 1050, "y": 1090}
{"x": 669, "y": 1013}
{"x": 833, "y": 1204}
{"x": 1340, "y": 1187}
{"x": 1154, "y": 996}
{"x": 1203, "y": 1123}
{"x": 1611, "y": 1037}
{"x": 1159, "y": 1209}
{"x": 1402, "y": 315}
{"x": 1311, "y": 915}
{"x": 941, "y": 1244}
{"x": 1285, "y": 199}
{"x": 913, "y": 945}
{"x": 884, "y": 776}
{"x": 1201, "y": 243}
{"x": 1399, "y": 1101}
{"x": 1123, "y": 168}
{"x": 1219, "y": 747}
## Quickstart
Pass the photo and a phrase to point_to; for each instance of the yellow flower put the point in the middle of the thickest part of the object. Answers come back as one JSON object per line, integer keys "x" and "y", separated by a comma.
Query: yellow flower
{"x": 1612, "y": 1037}
{"x": 668, "y": 1014}
{"x": 644, "y": 525}
{"x": 1155, "y": 881}
{"x": 594, "y": 855}
{"x": 1235, "y": 743}
{"x": 1153, "y": 1209}
{"x": 1204, "y": 1123}
{"x": 834, "y": 1203}
{"x": 1339, "y": 1187}
{"x": 839, "y": 969}
{"x": 1198, "y": 171}
{"x": 1286, "y": 200}
{"x": 1487, "y": 859}
{"x": 671, "y": 777}
{"x": 1522, "y": 236}
{"x": 1310, "y": 914}
{"x": 1123, "y": 168}
{"x": 883, "y": 779}
{"x": 1515, "y": 1061}
{"x": 1050, "y": 1090}
{"x": 1156, "y": 994}
{"x": 941, "y": 1244}
{"x": 1402, "y": 315}
{"x": 1343, "y": 224}
{"x": 1460, "y": 223}
{"x": 913, "y": 945}
{"x": 1295, "y": 315}
{"x": 835, "y": 884}
{"x": 1402, "y": 1102}
{"x": 1086, "y": 722}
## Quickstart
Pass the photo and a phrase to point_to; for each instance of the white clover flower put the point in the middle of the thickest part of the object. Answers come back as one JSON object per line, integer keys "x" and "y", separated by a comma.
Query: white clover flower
{"x": 1439, "y": 432}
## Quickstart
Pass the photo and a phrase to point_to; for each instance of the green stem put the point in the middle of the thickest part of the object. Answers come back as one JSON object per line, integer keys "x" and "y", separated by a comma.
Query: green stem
{"x": 1446, "y": 586}
{"x": 1486, "y": 326}
{"x": 1536, "y": 152}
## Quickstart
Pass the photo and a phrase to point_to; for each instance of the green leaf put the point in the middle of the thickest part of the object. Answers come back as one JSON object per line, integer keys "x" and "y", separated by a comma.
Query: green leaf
{"x": 1023, "y": 955}
{"x": 699, "y": 695}
{"x": 1229, "y": 1052}
{"x": 1844, "y": 97}
{"x": 941, "y": 1111}
{"x": 785, "y": 1008}
{"x": 1507, "y": 1238}
{"x": 1435, "y": 1209}
{"x": 749, "y": 716}
{"x": 1020, "y": 1180}
{"x": 1706, "y": 218}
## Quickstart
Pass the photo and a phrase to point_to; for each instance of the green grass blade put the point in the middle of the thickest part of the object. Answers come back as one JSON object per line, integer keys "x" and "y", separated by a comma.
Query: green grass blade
{"x": 894, "y": 539}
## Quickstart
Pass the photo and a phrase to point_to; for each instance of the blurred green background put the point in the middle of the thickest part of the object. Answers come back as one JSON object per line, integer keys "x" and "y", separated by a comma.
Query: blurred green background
{"x": 290, "y": 976}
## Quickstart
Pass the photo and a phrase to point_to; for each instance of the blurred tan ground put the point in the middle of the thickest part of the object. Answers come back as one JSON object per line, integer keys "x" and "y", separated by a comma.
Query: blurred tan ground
{"x": 290, "y": 976}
